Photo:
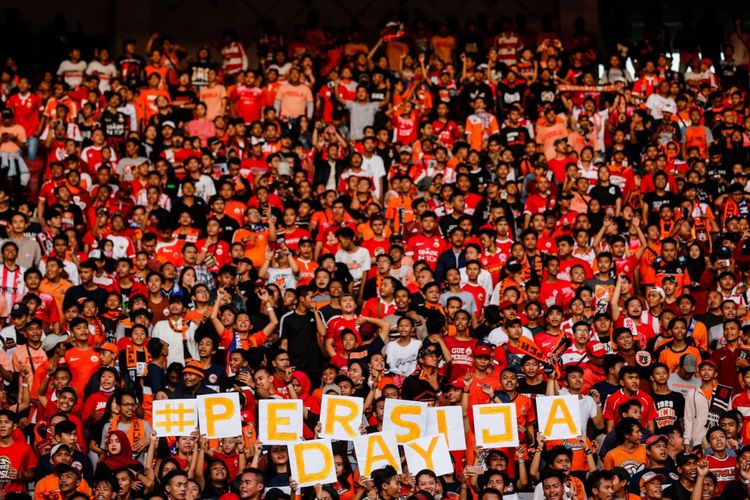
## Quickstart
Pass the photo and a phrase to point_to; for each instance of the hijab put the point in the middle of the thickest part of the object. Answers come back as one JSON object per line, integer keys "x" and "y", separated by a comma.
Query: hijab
{"x": 124, "y": 459}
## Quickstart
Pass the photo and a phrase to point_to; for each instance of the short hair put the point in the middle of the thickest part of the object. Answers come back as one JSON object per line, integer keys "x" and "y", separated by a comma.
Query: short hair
{"x": 596, "y": 478}
{"x": 627, "y": 370}
{"x": 625, "y": 427}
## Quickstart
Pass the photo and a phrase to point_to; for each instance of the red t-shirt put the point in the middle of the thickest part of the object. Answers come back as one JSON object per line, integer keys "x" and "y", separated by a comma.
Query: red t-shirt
{"x": 336, "y": 325}
{"x": 461, "y": 352}
{"x": 426, "y": 248}
{"x": 21, "y": 457}
{"x": 615, "y": 400}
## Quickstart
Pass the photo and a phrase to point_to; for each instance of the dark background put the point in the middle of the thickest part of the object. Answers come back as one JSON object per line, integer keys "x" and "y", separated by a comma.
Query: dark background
{"x": 40, "y": 33}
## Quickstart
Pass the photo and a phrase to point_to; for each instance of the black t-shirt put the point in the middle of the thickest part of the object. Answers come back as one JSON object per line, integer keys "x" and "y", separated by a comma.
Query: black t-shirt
{"x": 607, "y": 195}
{"x": 532, "y": 390}
{"x": 669, "y": 408}
{"x": 655, "y": 201}
{"x": 301, "y": 333}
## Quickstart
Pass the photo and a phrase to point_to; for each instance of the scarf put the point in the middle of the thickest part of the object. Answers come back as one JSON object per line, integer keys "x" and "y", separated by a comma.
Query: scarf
{"x": 124, "y": 459}
{"x": 135, "y": 433}
{"x": 131, "y": 362}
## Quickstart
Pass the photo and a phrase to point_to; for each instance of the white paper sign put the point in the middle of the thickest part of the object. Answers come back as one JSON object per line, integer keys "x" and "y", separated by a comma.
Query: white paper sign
{"x": 340, "y": 417}
{"x": 496, "y": 425}
{"x": 376, "y": 450}
{"x": 175, "y": 417}
{"x": 559, "y": 416}
{"x": 429, "y": 452}
{"x": 448, "y": 421}
{"x": 311, "y": 462}
{"x": 406, "y": 419}
{"x": 279, "y": 421}
{"x": 219, "y": 415}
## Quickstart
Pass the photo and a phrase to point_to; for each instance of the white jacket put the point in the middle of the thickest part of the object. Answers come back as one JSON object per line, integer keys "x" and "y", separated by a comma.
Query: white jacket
{"x": 696, "y": 416}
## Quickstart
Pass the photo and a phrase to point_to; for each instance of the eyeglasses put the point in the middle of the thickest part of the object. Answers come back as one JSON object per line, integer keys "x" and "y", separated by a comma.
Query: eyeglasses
{"x": 128, "y": 404}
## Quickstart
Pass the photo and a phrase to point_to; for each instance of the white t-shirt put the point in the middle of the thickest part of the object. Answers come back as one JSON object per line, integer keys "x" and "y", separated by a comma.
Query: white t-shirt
{"x": 283, "y": 278}
{"x": 498, "y": 336}
{"x": 71, "y": 72}
{"x": 361, "y": 257}
{"x": 655, "y": 103}
{"x": 586, "y": 406}
{"x": 376, "y": 168}
{"x": 105, "y": 72}
{"x": 402, "y": 360}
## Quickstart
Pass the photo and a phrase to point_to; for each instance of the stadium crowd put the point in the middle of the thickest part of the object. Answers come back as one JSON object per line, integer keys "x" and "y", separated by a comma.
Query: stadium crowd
{"x": 456, "y": 218}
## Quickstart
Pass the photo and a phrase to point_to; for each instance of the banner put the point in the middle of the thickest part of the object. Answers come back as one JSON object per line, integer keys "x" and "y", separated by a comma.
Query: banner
{"x": 311, "y": 462}
{"x": 429, "y": 452}
{"x": 279, "y": 421}
{"x": 406, "y": 419}
{"x": 496, "y": 425}
{"x": 175, "y": 417}
{"x": 376, "y": 450}
{"x": 448, "y": 421}
{"x": 219, "y": 415}
{"x": 559, "y": 416}
{"x": 340, "y": 417}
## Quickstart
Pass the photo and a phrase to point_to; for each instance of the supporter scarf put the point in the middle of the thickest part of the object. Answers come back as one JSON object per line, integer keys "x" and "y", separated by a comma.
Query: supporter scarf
{"x": 586, "y": 88}
{"x": 719, "y": 404}
{"x": 134, "y": 434}
{"x": 131, "y": 361}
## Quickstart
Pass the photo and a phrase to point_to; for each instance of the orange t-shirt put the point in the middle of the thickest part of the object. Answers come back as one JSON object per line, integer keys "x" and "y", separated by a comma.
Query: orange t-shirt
{"x": 83, "y": 363}
{"x": 255, "y": 243}
{"x": 629, "y": 460}
{"x": 672, "y": 358}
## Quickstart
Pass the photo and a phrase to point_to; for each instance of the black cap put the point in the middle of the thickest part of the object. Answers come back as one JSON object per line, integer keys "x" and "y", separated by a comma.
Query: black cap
{"x": 19, "y": 310}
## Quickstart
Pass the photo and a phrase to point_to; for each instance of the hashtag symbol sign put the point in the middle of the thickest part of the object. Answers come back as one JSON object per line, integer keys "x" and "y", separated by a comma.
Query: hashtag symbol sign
{"x": 178, "y": 417}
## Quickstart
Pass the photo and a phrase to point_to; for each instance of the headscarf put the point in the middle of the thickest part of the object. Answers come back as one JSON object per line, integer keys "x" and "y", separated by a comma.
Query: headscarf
{"x": 124, "y": 459}
{"x": 695, "y": 267}
{"x": 305, "y": 394}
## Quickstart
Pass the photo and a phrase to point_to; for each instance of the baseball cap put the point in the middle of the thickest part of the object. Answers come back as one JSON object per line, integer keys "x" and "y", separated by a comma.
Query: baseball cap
{"x": 655, "y": 439}
{"x": 332, "y": 387}
{"x": 684, "y": 458}
{"x": 559, "y": 140}
{"x": 61, "y": 469}
{"x": 660, "y": 291}
{"x": 482, "y": 350}
{"x": 194, "y": 367}
{"x": 430, "y": 348}
{"x": 53, "y": 340}
{"x": 710, "y": 362}
{"x": 304, "y": 240}
{"x": 255, "y": 141}
{"x": 506, "y": 304}
{"x": 7, "y": 113}
{"x": 650, "y": 476}
{"x": 58, "y": 447}
{"x": 669, "y": 107}
{"x": 168, "y": 123}
{"x": 513, "y": 265}
{"x": 20, "y": 309}
{"x": 596, "y": 349}
{"x": 109, "y": 346}
{"x": 689, "y": 363}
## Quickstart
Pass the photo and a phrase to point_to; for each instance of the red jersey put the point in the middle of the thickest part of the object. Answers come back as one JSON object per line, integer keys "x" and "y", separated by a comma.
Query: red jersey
{"x": 336, "y": 325}
{"x": 447, "y": 133}
{"x": 461, "y": 352}
{"x": 724, "y": 468}
{"x": 615, "y": 400}
{"x": 406, "y": 127}
{"x": 247, "y": 102}
{"x": 26, "y": 111}
{"x": 426, "y": 248}
{"x": 21, "y": 457}
{"x": 493, "y": 264}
